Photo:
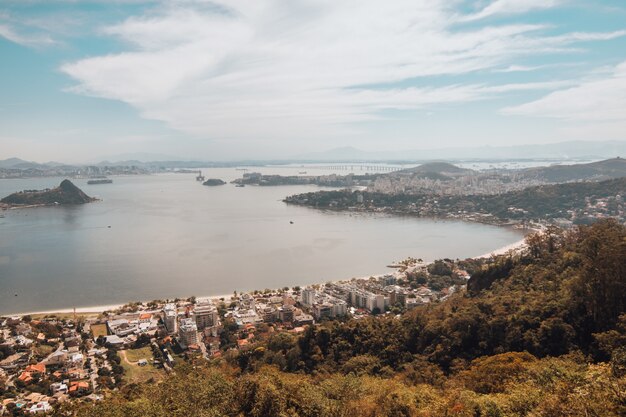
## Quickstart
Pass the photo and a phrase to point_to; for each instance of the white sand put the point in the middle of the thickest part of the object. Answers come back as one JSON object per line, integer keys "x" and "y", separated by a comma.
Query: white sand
{"x": 503, "y": 250}
{"x": 102, "y": 308}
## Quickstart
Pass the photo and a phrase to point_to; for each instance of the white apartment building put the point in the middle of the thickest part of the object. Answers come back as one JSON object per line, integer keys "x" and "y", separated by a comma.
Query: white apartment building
{"x": 187, "y": 332}
{"x": 308, "y": 296}
{"x": 169, "y": 317}
{"x": 205, "y": 314}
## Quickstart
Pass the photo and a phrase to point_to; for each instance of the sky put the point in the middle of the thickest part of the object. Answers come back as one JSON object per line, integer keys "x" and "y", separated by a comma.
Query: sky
{"x": 81, "y": 80}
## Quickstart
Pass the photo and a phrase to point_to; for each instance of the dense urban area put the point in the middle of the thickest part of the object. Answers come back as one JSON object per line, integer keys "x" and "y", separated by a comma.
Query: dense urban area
{"x": 49, "y": 359}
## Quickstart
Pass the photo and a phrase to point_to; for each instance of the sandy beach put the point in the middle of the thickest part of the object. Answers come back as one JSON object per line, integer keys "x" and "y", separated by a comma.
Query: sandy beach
{"x": 501, "y": 251}
{"x": 102, "y": 308}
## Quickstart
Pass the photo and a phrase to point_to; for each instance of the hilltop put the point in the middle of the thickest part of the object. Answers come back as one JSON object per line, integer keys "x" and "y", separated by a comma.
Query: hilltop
{"x": 434, "y": 170}
{"x": 65, "y": 194}
{"x": 601, "y": 170}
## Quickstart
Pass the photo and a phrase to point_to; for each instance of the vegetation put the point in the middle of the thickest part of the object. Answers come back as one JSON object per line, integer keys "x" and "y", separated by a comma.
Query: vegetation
{"x": 533, "y": 203}
{"x": 135, "y": 373}
{"x": 65, "y": 193}
{"x": 537, "y": 334}
{"x": 214, "y": 182}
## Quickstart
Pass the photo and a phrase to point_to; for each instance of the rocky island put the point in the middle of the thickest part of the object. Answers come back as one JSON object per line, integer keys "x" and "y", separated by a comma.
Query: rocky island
{"x": 212, "y": 182}
{"x": 65, "y": 194}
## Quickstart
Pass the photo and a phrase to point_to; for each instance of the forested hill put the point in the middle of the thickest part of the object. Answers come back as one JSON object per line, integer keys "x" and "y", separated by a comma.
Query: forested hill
{"x": 574, "y": 201}
{"x": 610, "y": 168}
{"x": 539, "y": 334}
{"x": 65, "y": 193}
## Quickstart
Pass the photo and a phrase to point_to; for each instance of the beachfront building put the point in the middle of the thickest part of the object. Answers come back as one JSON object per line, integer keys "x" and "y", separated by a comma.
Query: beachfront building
{"x": 340, "y": 307}
{"x": 187, "y": 333}
{"x": 286, "y": 313}
{"x": 205, "y": 314}
{"x": 322, "y": 310}
{"x": 169, "y": 317}
{"x": 308, "y": 296}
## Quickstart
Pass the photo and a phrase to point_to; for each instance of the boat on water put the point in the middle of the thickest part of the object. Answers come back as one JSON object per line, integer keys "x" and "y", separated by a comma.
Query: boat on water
{"x": 100, "y": 181}
{"x": 302, "y": 172}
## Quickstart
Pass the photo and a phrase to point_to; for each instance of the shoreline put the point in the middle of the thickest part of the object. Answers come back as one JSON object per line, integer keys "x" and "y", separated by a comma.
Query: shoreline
{"x": 109, "y": 307}
{"x": 504, "y": 249}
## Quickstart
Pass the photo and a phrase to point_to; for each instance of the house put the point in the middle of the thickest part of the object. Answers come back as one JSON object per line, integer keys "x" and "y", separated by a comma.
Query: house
{"x": 57, "y": 358}
{"x": 79, "y": 388}
{"x": 57, "y": 387}
{"x": 77, "y": 373}
{"x": 14, "y": 361}
{"x": 76, "y": 359}
{"x": 23, "y": 329}
{"x": 40, "y": 408}
{"x": 145, "y": 318}
{"x": 23, "y": 341}
{"x": 39, "y": 368}
{"x": 114, "y": 341}
{"x": 26, "y": 377}
{"x": 121, "y": 327}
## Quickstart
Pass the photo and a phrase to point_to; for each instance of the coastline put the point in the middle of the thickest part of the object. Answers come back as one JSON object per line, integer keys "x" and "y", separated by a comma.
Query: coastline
{"x": 520, "y": 244}
{"x": 109, "y": 307}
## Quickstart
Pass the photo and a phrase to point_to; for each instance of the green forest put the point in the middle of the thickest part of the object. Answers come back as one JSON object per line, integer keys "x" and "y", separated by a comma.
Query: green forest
{"x": 541, "y": 333}
{"x": 543, "y": 202}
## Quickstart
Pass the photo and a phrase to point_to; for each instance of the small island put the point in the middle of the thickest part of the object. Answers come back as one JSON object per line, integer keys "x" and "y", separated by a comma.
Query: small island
{"x": 65, "y": 194}
{"x": 212, "y": 182}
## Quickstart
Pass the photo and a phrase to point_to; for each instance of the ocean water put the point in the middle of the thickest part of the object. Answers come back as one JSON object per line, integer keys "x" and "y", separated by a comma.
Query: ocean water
{"x": 166, "y": 236}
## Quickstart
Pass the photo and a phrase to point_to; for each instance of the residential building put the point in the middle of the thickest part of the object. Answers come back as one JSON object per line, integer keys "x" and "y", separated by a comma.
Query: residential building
{"x": 286, "y": 313}
{"x": 169, "y": 317}
{"x": 308, "y": 296}
{"x": 321, "y": 310}
{"x": 205, "y": 314}
{"x": 188, "y": 332}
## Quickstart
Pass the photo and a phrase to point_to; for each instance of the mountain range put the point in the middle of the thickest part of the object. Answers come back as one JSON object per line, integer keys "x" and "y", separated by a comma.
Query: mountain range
{"x": 558, "y": 151}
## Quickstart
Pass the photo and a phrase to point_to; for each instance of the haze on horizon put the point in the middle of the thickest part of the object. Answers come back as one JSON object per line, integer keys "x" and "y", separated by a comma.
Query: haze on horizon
{"x": 266, "y": 79}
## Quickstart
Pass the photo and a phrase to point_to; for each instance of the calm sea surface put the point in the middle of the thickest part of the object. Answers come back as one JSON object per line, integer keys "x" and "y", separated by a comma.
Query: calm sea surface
{"x": 167, "y": 235}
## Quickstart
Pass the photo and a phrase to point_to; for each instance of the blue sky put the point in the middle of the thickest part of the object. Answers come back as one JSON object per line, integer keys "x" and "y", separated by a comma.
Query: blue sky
{"x": 84, "y": 79}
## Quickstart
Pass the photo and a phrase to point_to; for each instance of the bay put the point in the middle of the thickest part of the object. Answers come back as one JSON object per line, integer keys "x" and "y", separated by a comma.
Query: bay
{"x": 166, "y": 236}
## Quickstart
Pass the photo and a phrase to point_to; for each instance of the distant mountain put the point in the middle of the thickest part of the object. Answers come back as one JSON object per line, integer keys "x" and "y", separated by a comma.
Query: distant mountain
{"x": 601, "y": 170}
{"x": 65, "y": 193}
{"x": 137, "y": 158}
{"x": 17, "y": 163}
{"x": 553, "y": 151}
{"x": 441, "y": 168}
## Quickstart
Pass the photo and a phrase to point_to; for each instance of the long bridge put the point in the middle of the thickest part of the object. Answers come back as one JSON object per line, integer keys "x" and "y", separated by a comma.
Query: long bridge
{"x": 353, "y": 167}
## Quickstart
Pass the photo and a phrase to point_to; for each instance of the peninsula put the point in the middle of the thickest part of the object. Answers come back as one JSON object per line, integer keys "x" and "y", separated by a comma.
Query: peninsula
{"x": 562, "y": 204}
{"x": 65, "y": 194}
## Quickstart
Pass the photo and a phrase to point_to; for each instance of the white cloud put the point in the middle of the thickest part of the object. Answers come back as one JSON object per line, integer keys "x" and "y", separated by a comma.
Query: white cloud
{"x": 271, "y": 69}
{"x": 599, "y": 100}
{"x": 10, "y": 34}
{"x": 506, "y": 7}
